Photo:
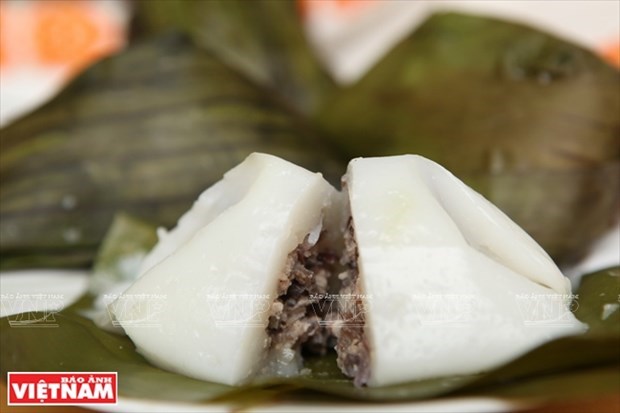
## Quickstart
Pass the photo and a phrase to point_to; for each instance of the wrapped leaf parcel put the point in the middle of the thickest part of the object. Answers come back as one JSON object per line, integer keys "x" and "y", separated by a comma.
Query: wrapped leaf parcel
{"x": 142, "y": 132}
{"x": 246, "y": 277}
{"x": 263, "y": 39}
{"x": 528, "y": 120}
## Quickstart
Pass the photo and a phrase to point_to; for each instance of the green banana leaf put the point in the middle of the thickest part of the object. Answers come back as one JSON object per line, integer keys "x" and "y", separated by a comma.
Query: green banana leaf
{"x": 263, "y": 39}
{"x": 527, "y": 119}
{"x": 145, "y": 132}
{"x": 577, "y": 366}
{"x": 123, "y": 248}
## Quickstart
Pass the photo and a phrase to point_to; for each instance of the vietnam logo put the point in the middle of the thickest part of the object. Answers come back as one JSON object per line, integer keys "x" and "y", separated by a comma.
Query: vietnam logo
{"x": 36, "y": 388}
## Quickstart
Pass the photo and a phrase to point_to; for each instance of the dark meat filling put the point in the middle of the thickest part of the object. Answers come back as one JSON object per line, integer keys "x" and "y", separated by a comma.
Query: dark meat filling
{"x": 352, "y": 346}
{"x": 295, "y": 316}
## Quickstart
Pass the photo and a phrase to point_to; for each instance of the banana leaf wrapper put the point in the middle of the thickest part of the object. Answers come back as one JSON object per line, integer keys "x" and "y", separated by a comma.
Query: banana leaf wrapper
{"x": 580, "y": 366}
{"x": 143, "y": 132}
{"x": 118, "y": 260}
{"x": 527, "y": 119}
{"x": 263, "y": 39}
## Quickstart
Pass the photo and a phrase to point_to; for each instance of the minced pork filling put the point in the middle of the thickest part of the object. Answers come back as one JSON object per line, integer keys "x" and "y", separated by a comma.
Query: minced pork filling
{"x": 352, "y": 346}
{"x": 296, "y": 314}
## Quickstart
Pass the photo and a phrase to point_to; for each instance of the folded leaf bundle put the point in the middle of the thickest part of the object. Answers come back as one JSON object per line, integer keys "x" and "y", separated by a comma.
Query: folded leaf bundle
{"x": 142, "y": 132}
{"x": 438, "y": 280}
{"x": 528, "y": 120}
{"x": 263, "y": 39}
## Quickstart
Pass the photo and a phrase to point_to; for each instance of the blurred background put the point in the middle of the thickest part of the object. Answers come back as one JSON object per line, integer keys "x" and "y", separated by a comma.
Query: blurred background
{"x": 43, "y": 43}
